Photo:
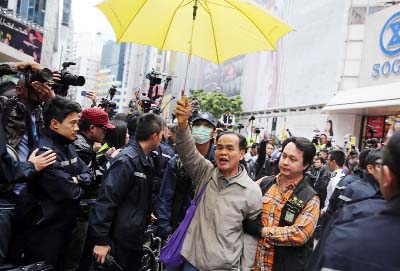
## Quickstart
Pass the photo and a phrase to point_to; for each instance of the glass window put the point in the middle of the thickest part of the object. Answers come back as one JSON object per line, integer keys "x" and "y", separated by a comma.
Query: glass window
{"x": 66, "y": 12}
{"x": 357, "y": 15}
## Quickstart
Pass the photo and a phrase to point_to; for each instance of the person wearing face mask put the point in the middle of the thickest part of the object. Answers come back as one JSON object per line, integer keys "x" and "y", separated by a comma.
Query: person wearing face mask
{"x": 177, "y": 189}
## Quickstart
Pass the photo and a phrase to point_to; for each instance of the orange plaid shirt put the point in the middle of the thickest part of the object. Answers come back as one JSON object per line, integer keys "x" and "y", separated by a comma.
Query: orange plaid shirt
{"x": 296, "y": 235}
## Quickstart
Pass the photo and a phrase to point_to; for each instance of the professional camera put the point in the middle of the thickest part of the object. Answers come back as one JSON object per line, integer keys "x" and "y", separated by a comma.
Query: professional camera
{"x": 155, "y": 78}
{"x": 146, "y": 104}
{"x": 105, "y": 102}
{"x": 68, "y": 79}
{"x": 257, "y": 131}
{"x": 240, "y": 126}
{"x": 252, "y": 118}
{"x": 372, "y": 143}
{"x": 42, "y": 76}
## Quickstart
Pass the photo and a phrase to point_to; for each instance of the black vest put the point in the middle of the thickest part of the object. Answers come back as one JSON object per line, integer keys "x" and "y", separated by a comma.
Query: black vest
{"x": 291, "y": 258}
{"x": 228, "y": 119}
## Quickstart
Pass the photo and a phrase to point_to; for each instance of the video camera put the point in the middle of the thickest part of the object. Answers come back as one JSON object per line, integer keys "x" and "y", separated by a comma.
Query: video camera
{"x": 107, "y": 102}
{"x": 68, "y": 79}
{"x": 156, "y": 78}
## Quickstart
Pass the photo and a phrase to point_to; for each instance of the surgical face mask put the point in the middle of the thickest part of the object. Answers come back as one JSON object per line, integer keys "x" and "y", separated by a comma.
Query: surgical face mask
{"x": 201, "y": 134}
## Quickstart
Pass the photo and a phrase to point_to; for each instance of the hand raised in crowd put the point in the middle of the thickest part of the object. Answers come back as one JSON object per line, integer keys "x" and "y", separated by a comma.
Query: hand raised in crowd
{"x": 182, "y": 111}
{"x": 21, "y": 66}
{"x": 43, "y": 160}
{"x": 45, "y": 92}
{"x": 100, "y": 253}
{"x": 92, "y": 96}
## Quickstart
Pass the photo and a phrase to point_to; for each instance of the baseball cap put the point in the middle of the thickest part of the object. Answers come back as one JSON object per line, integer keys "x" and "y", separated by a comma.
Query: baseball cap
{"x": 207, "y": 117}
{"x": 97, "y": 116}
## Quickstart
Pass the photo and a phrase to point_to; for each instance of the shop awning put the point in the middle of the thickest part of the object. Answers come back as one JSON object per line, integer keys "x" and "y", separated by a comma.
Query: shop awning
{"x": 372, "y": 100}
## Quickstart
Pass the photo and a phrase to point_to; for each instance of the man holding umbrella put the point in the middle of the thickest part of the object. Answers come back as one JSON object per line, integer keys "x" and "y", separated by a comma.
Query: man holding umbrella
{"x": 215, "y": 239}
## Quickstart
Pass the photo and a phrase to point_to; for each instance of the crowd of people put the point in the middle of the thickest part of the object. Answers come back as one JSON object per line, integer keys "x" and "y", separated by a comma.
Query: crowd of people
{"x": 77, "y": 187}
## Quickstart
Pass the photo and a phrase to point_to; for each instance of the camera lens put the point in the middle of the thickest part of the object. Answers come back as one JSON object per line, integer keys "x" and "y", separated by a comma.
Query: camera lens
{"x": 46, "y": 74}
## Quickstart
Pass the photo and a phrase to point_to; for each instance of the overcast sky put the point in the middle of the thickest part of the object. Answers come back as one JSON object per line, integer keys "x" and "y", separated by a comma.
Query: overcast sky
{"x": 88, "y": 18}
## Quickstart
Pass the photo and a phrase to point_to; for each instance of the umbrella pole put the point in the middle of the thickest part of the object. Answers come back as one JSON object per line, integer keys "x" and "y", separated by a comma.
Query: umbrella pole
{"x": 186, "y": 72}
{"x": 183, "y": 98}
{"x": 190, "y": 45}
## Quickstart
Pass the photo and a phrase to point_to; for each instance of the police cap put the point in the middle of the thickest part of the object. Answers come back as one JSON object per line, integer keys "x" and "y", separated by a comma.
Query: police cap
{"x": 206, "y": 116}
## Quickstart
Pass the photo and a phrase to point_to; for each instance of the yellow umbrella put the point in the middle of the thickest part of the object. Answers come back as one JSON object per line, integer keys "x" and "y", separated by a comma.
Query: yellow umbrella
{"x": 216, "y": 30}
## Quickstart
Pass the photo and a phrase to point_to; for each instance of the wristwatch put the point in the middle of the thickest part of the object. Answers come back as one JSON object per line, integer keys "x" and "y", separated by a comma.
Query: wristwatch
{"x": 13, "y": 67}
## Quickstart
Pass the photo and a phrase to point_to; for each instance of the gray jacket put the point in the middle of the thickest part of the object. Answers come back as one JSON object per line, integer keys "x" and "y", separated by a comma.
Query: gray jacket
{"x": 215, "y": 239}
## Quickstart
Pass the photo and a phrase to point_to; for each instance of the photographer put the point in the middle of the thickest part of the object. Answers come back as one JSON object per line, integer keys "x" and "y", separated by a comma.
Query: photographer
{"x": 107, "y": 104}
{"x": 21, "y": 119}
{"x": 11, "y": 172}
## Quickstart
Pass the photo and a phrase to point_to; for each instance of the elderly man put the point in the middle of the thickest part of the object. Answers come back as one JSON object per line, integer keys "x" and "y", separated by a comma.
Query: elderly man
{"x": 215, "y": 239}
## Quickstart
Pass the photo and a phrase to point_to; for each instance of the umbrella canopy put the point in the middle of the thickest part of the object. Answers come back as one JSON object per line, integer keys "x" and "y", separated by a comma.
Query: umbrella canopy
{"x": 216, "y": 30}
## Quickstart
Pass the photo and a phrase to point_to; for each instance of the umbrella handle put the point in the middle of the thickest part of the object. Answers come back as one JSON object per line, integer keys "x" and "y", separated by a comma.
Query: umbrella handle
{"x": 186, "y": 101}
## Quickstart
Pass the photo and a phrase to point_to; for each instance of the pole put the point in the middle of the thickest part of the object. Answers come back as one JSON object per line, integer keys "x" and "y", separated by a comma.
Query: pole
{"x": 190, "y": 42}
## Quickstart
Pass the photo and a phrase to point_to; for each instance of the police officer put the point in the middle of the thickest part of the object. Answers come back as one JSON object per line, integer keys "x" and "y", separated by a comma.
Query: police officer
{"x": 50, "y": 203}
{"x": 123, "y": 206}
{"x": 177, "y": 189}
{"x": 227, "y": 119}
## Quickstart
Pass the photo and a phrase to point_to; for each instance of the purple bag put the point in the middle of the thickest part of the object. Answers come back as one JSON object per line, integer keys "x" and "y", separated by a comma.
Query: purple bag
{"x": 171, "y": 253}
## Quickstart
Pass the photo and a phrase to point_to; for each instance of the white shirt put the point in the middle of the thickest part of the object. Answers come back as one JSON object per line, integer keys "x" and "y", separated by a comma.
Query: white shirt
{"x": 336, "y": 176}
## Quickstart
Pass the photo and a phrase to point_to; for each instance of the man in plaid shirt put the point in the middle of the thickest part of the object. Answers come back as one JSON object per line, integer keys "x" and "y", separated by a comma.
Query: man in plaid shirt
{"x": 290, "y": 211}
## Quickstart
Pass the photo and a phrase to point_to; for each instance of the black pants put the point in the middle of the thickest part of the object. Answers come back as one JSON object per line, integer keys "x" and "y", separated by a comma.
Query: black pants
{"x": 45, "y": 244}
{"x": 130, "y": 260}
{"x": 6, "y": 216}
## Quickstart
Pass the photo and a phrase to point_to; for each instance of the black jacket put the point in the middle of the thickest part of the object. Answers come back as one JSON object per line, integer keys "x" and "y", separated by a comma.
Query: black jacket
{"x": 16, "y": 120}
{"x": 12, "y": 171}
{"x": 366, "y": 239}
{"x": 175, "y": 195}
{"x": 52, "y": 198}
{"x": 84, "y": 149}
{"x": 123, "y": 207}
{"x": 266, "y": 167}
{"x": 319, "y": 179}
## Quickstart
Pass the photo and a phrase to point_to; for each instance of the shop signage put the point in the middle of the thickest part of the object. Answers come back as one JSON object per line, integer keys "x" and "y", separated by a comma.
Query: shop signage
{"x": 381, "y": 52}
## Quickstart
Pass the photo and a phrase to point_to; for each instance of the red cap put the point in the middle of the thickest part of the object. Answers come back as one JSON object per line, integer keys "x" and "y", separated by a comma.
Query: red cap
{"x": 97, "y": 116}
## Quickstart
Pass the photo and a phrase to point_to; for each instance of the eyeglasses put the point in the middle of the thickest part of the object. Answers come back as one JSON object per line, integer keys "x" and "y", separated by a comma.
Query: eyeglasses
{"x": 102, "y": 127}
